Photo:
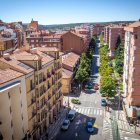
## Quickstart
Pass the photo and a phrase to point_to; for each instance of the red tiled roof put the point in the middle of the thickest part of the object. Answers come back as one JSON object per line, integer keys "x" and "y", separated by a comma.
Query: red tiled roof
{"x": 66, "y": 73}
{"x": 70, "y": 59}
{"x": 8, "y": 75}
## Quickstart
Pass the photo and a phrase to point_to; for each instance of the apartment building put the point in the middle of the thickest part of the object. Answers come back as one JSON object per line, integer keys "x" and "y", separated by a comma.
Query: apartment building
{"x": 13, "y": 105}
{"x": 38, "y": 40}
{"x": 76, "y": 42}
{"x": 98, "y": 28}
{"x": 11, "y": 62}
{"x": 131, "y": 77}
{"x": 115, "y": 31}
{"x": 43, "y": 73}
{"x": 106, "y": 34}
{"x": 7, "y": 45}
{"x": 70, "y": 64}
{"x": 11, "y": 37}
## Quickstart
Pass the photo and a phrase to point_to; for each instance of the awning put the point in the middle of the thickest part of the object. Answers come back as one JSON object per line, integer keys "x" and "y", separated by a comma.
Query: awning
{"x": 8, "y": 86}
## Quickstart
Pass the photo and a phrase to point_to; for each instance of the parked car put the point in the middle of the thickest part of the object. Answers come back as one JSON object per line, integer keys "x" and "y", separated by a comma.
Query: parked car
{"x": 71, "y": 115}
{"x": 103, "y": 102}
{"x": 96, "y": 87}
{"x": 89, "y": 127}
{"x": 65, "y": 125}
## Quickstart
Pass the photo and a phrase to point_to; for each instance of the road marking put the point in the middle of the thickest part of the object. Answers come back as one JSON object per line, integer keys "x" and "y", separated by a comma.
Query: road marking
{"x": 128, "y": 138}
{"x": 101, "y": 111}
{"x": 94, "y": 112}
{"x": 88, "y": 110}
{"x": 97, "y": 112}
{"x": 79, "y": 110}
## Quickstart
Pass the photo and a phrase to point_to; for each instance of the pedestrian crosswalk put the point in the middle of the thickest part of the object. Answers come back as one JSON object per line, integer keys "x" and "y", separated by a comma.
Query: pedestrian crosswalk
{"x": 107, "y": 131}
{"x": 128, "y": 138}
{"x": 87, "y": 110}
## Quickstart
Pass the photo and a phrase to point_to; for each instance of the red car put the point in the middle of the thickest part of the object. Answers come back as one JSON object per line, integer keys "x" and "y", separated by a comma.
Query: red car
{"x": 96, "y": 86}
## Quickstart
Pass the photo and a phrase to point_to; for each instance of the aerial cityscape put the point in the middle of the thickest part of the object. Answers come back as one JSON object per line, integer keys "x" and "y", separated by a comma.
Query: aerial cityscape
{"x": 69, "y": 70}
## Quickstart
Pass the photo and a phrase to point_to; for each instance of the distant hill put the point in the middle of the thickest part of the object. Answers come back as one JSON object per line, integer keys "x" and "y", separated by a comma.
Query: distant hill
{"x": 71, "y": 25}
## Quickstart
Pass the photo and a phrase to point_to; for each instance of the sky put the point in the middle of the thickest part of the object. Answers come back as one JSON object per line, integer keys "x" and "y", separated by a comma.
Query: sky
{"x": 48, "y": 12}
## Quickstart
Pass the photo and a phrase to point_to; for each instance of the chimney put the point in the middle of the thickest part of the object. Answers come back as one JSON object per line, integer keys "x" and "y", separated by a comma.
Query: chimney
{"x": 33, "y": 50}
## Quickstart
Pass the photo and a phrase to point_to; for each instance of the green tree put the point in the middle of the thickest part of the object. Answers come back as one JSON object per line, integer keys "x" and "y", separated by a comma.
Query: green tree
{"x": 108, "y": 87}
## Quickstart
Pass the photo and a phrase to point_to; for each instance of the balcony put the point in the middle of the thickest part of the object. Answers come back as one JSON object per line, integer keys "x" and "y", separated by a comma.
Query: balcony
{"x": 53, "y": 82}
{"x": 33, "y": 100}
{"x": 45, "y": 89}
{"x": 49, "y": 107}
{"x": 35, "y": 125}
{"x": 49, "y": 75}
{"x": 53, "y": 71}
{"x": 44, "y": 78}
{"x": 53, "y": 92}
{"x": 46, "y": 101}
{"x": 34, "y": 113}
{"x": 49, "y": 97}
{"x": 32, "y": 86}
{"x": 41, "y": 93}
{"x": 49, "y": 85}
{"x": 59, "y": 86}
{"x": 54, "y": 102}
{"x": 40, "y": 81}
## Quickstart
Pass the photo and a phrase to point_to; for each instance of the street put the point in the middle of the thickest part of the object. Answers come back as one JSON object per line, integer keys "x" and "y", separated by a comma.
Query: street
{"x": 89, "y": 110}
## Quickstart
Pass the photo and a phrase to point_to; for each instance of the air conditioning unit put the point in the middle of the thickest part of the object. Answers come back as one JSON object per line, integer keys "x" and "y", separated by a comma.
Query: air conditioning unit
{"x": 132, "y": 79}
{"x": 133, "y": 69}
{"x": 135, "y": 48}
{"x": 134, "y": 58}
{"x": 132, "y": 89}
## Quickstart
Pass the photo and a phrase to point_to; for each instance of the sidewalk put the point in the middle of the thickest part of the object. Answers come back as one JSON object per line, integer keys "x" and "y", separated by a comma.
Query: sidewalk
{"x": 123, "y": 123}
{"x": 54, "y": 128}
{"x": 107, "y": 130}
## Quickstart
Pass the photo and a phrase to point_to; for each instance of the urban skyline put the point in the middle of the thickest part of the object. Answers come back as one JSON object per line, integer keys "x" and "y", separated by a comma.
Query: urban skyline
{"x": 64, "y": 12}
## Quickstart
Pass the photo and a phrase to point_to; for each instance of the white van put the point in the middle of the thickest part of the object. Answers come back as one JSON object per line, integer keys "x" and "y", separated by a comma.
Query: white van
{"x": 71, "y": 115}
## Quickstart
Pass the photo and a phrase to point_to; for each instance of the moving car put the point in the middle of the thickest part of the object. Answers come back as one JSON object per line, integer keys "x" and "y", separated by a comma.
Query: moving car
{"x": 71, "y": 115}
{"x": 65, "y": 125}
{"x": 103, "y": 102}
{"x": 89, "y": 127}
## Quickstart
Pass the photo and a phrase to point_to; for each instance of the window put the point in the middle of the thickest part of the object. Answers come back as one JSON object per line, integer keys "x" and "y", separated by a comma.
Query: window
{"x": 135, "y": 36}
{"x": 32, "y": 40}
